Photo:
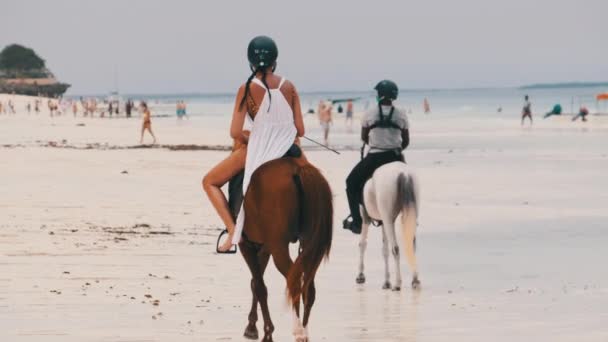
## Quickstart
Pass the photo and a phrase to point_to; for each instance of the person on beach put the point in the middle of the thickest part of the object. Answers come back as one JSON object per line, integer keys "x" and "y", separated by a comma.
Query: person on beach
{"x": 75, "y": 108}
{"x": 271, "y": 106}
{"x": 129, "y": 107}
{"x": 11, "y": 107}
{"x": 427, "y": 106}
{"x": 386, "y": 130}
{"x": 28, "y": 107}
{"x": 51, "y": 107}
{"x": 349, "y": 115}
{"x": 184, "y": 111}
{"x": 180, "y": 109}
{"x": 582, "y": 113}
{"x": 37, "y": 106}
{"x": 1, "y": 108}
{"x": 526, "y": 111}
{"x": 146, "y": 124}
{"x": 557, "y": 110}
{"x": 325, "y": 119}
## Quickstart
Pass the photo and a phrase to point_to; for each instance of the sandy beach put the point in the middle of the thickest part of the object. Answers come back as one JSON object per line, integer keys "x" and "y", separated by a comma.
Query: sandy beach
{"x": 103, "y": 241}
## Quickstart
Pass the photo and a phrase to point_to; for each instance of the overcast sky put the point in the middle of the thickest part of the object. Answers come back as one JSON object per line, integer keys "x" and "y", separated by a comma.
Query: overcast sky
{"x": 200, "y": 46}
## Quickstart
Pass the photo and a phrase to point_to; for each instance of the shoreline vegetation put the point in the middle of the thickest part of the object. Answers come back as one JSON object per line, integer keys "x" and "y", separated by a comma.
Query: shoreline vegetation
{"x": 23, "y": 72}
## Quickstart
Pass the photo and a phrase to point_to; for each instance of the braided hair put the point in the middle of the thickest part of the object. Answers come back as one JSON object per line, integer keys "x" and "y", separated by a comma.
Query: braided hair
{"x": 248, "y": 83}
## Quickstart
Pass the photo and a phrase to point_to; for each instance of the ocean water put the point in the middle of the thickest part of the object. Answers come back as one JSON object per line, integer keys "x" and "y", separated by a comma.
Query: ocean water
{"x": 444, "y": 102}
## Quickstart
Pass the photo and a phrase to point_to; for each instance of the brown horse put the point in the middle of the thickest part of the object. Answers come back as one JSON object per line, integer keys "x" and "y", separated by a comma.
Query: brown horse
{"x": 288, "y": 200}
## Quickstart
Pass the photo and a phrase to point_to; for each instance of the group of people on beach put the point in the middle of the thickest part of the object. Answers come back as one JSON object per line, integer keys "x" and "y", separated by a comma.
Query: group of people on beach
{"x": 9, "y": 108}
{"x": 526, "y": 112}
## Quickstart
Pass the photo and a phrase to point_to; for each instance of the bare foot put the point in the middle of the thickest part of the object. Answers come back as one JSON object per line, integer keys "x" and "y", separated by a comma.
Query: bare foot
{"x": 227, "y": 245}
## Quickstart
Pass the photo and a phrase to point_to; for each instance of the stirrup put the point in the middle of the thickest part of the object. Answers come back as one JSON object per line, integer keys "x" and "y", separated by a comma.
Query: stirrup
{"x": 217, "y": 246}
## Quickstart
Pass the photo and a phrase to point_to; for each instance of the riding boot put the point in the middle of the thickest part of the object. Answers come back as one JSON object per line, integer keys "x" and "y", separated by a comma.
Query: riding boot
{"x": 353, "y": 204}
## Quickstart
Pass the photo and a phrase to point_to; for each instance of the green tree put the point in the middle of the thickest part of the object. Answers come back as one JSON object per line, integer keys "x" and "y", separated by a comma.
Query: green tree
{"x": 19, "y": 58}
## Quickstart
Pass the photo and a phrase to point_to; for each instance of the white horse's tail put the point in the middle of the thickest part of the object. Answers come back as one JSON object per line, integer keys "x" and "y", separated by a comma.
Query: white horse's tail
{"x": 408, "y": 194}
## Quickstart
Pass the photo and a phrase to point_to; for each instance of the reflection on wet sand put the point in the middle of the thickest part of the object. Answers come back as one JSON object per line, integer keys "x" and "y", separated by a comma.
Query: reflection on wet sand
{"x": 389, "y": 317}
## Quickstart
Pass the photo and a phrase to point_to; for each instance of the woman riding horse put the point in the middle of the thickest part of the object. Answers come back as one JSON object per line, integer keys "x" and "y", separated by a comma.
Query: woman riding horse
{"x": 385, "y": 130}
{"x": 286, "y": 199}
{"x": 272, "y": 108}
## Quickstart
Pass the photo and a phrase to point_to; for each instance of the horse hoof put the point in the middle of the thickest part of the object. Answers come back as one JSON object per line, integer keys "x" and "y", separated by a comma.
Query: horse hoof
{"x": 415, "y": 283}
{"x": 386, "y": 286}
{"x": 397, "y": 288}
{"x": 251, "y": 332}
{"x": 360, "y": 278}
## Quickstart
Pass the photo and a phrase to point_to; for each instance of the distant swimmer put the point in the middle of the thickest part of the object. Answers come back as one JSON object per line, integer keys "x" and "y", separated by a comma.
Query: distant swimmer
{"x": 557, "y": 110}
{"x": 582, "y": 113}
{"x": 499, "y": 110}
{"x": 146, "y": 124}
{"x": 526, "y": 111}
{"x": 427, "y": 106}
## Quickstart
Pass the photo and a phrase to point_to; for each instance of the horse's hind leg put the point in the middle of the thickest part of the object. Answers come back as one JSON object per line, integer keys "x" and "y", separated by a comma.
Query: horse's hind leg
{"x": 251, "y": 331}
{"x": 387, "y": 275}
{"x": 362, "y": 246}
{"x": 261, "y": 292}
{"x": 283, "y": 262}
{"x": 389, "y": 228}
{"x": 308, "y": 295}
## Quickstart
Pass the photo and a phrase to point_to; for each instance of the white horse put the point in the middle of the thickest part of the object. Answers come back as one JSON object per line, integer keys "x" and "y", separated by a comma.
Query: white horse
{"x": 392, "y": 191}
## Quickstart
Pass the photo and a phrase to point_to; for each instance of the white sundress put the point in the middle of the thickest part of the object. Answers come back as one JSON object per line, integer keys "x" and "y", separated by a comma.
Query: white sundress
{"x": 272, "y": 133}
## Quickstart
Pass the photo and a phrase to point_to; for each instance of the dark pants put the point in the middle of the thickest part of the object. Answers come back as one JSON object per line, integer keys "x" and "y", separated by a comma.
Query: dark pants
{"x": 361, "y": 173}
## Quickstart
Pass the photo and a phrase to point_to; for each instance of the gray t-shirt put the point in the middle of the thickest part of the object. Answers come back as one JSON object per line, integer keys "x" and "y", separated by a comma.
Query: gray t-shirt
{"x": 383, "y": 139}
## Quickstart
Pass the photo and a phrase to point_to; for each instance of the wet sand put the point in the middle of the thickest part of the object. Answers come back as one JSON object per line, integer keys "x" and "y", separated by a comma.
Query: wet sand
{"x": 118, "y": 244}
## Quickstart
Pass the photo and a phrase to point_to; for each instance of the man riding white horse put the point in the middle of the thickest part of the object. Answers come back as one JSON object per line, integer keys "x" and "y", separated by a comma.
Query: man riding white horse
{"x": 385, "y": 130}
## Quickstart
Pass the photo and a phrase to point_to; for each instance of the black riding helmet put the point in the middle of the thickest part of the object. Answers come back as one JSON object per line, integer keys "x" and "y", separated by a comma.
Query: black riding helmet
{"x": 262, "y": 52}
{"x": 387, "y": 89}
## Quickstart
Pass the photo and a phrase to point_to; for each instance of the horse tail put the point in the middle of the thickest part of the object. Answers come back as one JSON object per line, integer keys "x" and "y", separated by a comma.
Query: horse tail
{"x": 408, "y": 194}
{"x": 316, "y": 228}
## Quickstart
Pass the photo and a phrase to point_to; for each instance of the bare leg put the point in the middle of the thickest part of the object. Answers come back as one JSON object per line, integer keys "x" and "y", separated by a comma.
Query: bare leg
{"x": 215, "y": 179}
{"x": 362, "y": 246}
{"x": 153, "y": 136}
{"x": 141, "y": 139}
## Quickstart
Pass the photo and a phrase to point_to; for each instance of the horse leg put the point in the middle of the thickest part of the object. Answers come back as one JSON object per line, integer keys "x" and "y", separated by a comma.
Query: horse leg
{"x": 387, "y": 275}
{"x": 362, "y": 246}
{"x": 283, "y": 262}
{"x": 389, "y": 227}
{"x": 251, "y": 331}
{"x": 308, "y": 295}
{"x": 261, "y": 293}
{"x": 408, "y": 218}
